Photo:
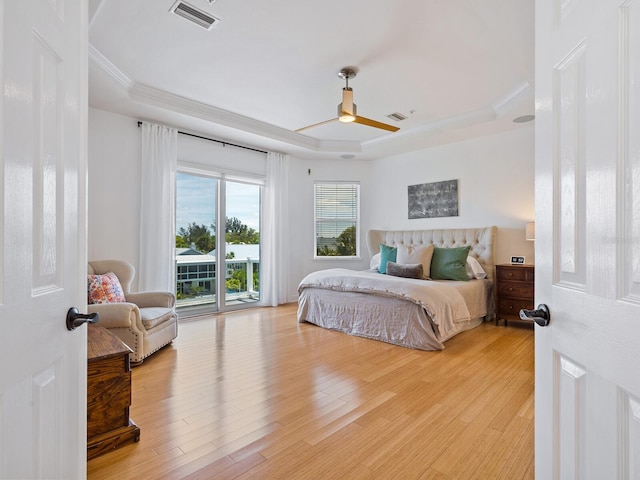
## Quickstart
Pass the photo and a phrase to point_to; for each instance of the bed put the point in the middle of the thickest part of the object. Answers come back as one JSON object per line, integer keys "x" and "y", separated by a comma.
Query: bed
{"x": 410, "y": 312}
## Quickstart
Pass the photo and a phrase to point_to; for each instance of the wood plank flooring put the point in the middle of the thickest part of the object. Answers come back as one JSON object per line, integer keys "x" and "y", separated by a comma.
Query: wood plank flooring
{"x": 255, "y": 395}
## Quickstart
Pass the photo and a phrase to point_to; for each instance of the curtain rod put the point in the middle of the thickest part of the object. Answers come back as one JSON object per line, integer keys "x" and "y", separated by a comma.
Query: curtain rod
{"x": 218, "y": 141}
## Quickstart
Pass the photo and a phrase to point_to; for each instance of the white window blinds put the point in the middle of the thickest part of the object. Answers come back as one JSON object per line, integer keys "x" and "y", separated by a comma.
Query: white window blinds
{"x": 337, "y": 212}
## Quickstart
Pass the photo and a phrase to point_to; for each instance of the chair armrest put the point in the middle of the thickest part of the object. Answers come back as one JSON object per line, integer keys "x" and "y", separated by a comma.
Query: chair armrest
{"x": 116, "y": 315}
{"x": 152, "y": 299}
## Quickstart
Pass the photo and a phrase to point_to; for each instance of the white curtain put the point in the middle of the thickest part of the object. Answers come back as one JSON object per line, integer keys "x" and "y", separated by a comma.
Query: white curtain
{"x": 275, "y": 231}
{"x": 156, "y": 271}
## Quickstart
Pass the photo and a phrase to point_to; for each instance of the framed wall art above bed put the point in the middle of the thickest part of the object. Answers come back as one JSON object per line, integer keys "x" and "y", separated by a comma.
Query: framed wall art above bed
{"x": 432, "y": 200}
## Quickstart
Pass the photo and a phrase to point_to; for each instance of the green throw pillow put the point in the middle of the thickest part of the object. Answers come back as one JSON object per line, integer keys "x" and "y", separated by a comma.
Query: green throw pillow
{"x": 450, "y": 263}
{"x": 387, "y": 254}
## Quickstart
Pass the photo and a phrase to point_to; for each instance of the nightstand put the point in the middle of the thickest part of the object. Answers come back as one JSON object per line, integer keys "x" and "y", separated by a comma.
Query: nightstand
{"x": 514, "y": 290}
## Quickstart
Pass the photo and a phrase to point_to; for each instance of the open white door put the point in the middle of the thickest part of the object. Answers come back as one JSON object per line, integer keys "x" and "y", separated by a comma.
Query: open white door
{"x": 588, "y": 238}
{"x": 43, "y": 114}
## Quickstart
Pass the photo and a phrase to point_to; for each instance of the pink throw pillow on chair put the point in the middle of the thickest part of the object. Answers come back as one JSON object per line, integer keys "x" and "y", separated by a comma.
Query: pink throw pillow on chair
{"x": 104, "y": 289}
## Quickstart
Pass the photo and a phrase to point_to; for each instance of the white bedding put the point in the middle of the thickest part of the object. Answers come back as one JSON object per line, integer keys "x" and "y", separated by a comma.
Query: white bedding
{"x": 414, "y": 313}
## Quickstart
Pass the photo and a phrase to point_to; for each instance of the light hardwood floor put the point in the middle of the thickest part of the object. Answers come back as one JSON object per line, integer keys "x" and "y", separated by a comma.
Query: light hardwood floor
{"x": 255, "y": 395}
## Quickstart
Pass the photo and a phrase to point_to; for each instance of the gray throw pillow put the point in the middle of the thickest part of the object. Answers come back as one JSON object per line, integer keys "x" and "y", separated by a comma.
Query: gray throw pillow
{"x": 408, "y": 270}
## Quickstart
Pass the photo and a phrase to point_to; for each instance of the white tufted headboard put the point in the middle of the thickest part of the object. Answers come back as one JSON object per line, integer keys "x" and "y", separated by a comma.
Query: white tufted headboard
{"x": 481, "y": 240}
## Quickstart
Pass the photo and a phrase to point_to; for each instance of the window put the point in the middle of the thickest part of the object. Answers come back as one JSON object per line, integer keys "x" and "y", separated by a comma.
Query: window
{"x": 337, "y": 219}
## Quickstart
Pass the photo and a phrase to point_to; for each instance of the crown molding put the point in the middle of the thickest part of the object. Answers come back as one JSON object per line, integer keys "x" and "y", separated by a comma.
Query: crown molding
{"x": 163, "y": 99}
{"x": 468, "y": 119}
{"x": 505, "y": 103}
{"x": 442, "y": 124}
{"x": 105, "y": 64}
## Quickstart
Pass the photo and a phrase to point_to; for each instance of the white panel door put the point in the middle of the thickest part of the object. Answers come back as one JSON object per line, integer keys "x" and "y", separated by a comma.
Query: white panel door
{"x": 588, "y": 238}
{"x": 43, "y": 111}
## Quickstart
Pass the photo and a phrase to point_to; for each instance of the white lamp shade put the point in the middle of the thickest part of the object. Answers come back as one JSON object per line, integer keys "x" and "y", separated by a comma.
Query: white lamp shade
{"x": 530, "y": 231}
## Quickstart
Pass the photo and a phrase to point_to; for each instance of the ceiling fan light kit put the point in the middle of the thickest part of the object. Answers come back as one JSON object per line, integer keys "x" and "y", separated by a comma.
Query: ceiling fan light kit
{"x": 345, "y": 117}
{"x": 347, "y": 109}
{"x": 347, "y": 112}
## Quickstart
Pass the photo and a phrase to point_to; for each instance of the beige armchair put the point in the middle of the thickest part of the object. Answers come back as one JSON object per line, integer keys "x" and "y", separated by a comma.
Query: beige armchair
{"x": 146, "y": 322}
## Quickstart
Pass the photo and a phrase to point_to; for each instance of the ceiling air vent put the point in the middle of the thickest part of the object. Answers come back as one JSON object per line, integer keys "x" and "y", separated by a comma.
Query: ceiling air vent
{"x": 398, "y": 117}
{"x": 195, "y": 15}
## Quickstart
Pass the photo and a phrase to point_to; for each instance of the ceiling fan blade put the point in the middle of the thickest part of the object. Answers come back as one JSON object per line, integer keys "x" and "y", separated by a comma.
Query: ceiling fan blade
{"x": 315, "y": 125}
{"x": 376, "y": 124}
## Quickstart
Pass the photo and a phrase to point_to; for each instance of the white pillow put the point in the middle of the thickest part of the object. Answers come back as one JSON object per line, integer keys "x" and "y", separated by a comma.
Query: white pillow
{"x": 375, "y": 261}
{"x": 412, "y": 254}
{"x": 474, "y": 269}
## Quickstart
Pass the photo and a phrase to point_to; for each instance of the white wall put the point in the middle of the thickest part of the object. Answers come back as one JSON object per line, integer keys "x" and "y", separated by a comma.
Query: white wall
{"x": 113, "y": 187}
{"x": 495, "y": 181}
{"x": 303, "y": 173}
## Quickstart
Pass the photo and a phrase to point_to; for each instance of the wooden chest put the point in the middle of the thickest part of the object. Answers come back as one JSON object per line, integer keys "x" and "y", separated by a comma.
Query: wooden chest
{"x": 108, "y": 393}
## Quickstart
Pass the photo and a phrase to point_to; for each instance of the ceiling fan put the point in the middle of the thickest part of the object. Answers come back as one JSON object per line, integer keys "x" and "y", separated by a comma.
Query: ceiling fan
{"x": 347, "y": 109}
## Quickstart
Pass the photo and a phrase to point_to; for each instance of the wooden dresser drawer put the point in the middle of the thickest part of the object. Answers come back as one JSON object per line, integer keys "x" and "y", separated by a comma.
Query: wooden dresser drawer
{"x": 515, "y": 273}
{"x": 513, "y": 289}
{"x": 512, "y": 306}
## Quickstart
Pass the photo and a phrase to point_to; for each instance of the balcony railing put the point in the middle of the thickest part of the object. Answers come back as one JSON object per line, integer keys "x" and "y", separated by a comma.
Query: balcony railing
{"x": 197, "y": 285}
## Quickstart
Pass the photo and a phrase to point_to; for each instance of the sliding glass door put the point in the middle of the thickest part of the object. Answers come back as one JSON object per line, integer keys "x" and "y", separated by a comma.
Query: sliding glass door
{"x": 217, "y": 243}
{"x": 242, "y": 243}
{"x": 196, "y": 214}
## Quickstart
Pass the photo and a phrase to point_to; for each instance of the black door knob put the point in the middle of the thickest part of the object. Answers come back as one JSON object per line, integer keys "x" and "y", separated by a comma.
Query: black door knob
{"x": 75, "y": 318}
{"x": 540, "y": 315}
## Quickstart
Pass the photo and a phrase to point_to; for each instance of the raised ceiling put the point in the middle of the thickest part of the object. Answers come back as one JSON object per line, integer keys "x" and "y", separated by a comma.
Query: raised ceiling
{"x": 457, "y": 69}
